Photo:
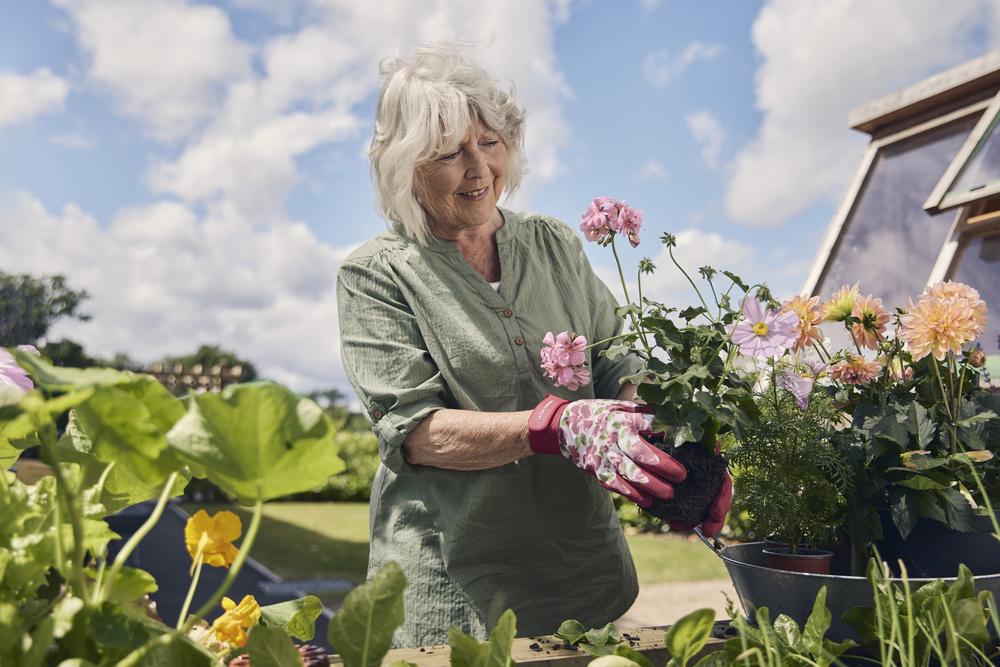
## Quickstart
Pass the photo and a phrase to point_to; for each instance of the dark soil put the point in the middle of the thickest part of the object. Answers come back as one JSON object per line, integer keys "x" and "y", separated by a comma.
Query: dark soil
{"x": 692, "y": 497}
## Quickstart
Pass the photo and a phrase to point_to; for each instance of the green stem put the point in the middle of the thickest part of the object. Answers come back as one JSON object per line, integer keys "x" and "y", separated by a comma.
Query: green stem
{"x": 137, "y": 537}
{"x": 69, "y": 494}
{"x": 822, "y": 347}
{"x": 234, "y": 570}
{"x": 608, "y": 340}
{"x": 635, "y": 321}
{"x": 670, "y": 251}
{"x": 986, "y": 499}
{"x": 190, "y": 593}
{"x": 642, "y": 310}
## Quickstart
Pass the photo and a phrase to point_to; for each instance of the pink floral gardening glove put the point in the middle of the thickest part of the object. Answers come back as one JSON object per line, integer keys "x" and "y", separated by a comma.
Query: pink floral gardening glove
{"x": 605, "y": 439}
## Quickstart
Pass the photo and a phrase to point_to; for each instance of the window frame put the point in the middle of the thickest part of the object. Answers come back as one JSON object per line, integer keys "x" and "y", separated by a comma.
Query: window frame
{"x": 849, "y": 201}
{"x": 940, "y": 199}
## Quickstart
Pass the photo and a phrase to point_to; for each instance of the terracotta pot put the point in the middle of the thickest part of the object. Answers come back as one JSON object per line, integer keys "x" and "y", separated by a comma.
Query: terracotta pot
{"x": 810, "y": 561}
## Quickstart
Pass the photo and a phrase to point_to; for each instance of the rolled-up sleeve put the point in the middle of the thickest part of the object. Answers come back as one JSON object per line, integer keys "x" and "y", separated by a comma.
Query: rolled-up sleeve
{"x": 606, "y": 373}
{"x": 385, "y": 357}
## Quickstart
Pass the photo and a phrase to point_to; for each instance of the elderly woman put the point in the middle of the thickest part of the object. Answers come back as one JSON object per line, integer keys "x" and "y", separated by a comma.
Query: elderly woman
{"x": 483, "y": 496}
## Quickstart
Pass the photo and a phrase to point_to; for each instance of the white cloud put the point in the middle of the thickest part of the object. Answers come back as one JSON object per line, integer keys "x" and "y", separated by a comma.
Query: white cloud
{"x": 709, "y": 134}
{"x": 166, "y": 62}
{"x": 22, "y": 97}
{"x": 660, "y": 68}
{"x": 653, "y": 170}
{"x": 164, "y": 281}
{"x": 649, "y": 6}
{"x": 74, "y": 141}
{"x": 820, "y": 60}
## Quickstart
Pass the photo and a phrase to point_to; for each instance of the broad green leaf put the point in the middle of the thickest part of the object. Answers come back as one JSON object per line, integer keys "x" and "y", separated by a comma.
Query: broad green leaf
{"x": 258, "y": 441}
{"x": 362, "y": 630}
{"x": 128, "y": 425}
{"x": 296, "y": 617}
{"x": 572, "y": 631}
{"x": 627, "y": 651}
{"x": 169, "y": 650}
{"x": 688, "y": 635}
{"x": 132, "y": 583}
{"x": 112, "y": 628}
{"x": 959, "y": 513}
{"x": 904, "y": 514}
{"x": 600, "y": 636}
{"x": 404, "y": 663}
{"x": 271, "y": 647}
{"x": 921, "y": 483}
{"x": 124, "y": 485}
{"x": 920, "y": 425}
{"x": 786, "y": 628}
{"x": 972, "y": 456}
{"x": 816, "y": 625}
{"x": 18, "y": 423}
{"x": 60, "y": 379}
{"x": 467, "y": 652}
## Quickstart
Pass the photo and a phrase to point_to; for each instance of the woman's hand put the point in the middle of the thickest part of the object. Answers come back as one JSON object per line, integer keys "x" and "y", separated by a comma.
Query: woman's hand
{"x": 605, "y": 439}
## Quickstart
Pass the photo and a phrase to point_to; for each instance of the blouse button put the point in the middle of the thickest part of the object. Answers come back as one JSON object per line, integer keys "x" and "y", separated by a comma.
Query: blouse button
{"x": 508, "y": 312}
{"x": 519, "y": 340}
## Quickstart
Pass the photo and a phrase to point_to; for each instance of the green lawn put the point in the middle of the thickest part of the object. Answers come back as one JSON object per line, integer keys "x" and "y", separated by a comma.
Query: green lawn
{"x": 321, "y": 540}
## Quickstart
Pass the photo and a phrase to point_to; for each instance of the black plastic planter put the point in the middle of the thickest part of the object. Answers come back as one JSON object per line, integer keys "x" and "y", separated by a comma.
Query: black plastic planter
{"x": 793, "y": 593}
{"x": 934, "y": 550}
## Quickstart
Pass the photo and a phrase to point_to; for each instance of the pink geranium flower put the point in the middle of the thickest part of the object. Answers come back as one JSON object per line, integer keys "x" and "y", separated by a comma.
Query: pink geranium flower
{"x": 564, "y": 359}
{"x": 606, "y": 217}
{"x": 13, "y": 375}
{"x": 763, "y": 332}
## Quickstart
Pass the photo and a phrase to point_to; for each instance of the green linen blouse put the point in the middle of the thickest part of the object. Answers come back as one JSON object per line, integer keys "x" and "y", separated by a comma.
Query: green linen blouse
{"x": 422, "y": 330}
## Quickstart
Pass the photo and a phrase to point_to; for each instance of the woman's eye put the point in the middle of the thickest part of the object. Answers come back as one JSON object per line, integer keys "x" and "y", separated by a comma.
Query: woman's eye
{"x": 450, "y": 156}
{"x": 491, "y": 143}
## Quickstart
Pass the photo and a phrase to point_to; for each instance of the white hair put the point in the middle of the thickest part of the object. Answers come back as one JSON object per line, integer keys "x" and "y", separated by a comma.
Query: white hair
{"x": 428, "y": 102}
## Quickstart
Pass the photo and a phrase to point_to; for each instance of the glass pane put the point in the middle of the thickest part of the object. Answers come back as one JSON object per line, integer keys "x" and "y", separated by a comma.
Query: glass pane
{"x": 979, "y": 266}
{"x": 889, "y": 243}
{"x": 983, "y": 166}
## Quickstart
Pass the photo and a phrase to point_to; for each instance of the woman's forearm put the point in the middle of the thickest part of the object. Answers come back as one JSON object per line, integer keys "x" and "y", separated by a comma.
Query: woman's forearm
{"x": 468, "y": 440}
{"x": 471, "y": 440}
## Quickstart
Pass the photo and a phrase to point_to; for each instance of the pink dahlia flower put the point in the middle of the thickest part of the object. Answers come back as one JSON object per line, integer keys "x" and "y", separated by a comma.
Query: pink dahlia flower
{"x": 870, "y": 331}
{"x": 855, "y": 369}
{"x": 13, "y": 375}
{"x": 810, "y": 317}
{"x": 564, "y": 359}
{"x": 763, "y": 332}
{"x": 946, "y": 316}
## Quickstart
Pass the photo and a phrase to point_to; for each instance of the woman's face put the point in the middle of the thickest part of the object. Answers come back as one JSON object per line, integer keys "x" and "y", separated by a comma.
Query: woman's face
{"x": 460, "y": 190}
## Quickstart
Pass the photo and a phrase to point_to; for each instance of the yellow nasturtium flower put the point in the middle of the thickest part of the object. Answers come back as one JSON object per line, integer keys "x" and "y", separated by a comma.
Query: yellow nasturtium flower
{"x": 232, "y": 626}
{"x": 210, "y": 538}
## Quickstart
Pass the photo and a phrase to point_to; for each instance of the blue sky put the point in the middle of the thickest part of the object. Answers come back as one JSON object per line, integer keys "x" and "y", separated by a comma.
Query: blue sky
{"x": 199, "y": 167}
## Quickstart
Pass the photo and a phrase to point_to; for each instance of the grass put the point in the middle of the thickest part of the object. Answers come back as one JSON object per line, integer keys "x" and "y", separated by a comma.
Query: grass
{"x": 330, "y": 540}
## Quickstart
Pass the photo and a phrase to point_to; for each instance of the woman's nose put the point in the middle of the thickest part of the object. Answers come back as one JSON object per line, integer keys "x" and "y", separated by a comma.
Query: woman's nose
{"x": 476, "y": 164}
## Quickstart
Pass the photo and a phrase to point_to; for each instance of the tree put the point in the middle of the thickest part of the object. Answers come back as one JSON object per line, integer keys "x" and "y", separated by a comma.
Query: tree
{"x": 29, "y": 306}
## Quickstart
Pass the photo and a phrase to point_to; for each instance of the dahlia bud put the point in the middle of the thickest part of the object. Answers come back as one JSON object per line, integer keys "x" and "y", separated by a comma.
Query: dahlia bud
{"x": 976, "y": 358}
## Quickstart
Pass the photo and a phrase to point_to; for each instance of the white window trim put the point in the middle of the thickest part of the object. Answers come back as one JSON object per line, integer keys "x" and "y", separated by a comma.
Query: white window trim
{"x": 857, "y": 183}
{"x": 939, "y": 199}
{"x": 963, "y": 230}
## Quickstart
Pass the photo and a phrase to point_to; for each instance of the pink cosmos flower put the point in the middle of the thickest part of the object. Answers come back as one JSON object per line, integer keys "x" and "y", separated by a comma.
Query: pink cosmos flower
{"x": 606, "y": 217}
{"x": 800, "y": 387}
{"x": 564, "y": 359}
{"x": 764, "y": 333}
{"x": 13, "y": 375}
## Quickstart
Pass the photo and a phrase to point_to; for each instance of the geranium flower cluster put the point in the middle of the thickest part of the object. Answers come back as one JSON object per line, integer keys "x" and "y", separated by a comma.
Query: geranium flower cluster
{"x": 606, "y": 217}
{"x": 945, "y": 317}
{"x": 564, "y": 359}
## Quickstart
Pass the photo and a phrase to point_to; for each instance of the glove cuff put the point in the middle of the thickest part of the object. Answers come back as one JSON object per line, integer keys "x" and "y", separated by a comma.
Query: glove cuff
{"x": 543, "y": 425}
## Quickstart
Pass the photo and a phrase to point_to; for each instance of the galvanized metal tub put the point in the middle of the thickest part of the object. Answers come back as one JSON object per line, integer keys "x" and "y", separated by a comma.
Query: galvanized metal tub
{"x": 793, "y": 593}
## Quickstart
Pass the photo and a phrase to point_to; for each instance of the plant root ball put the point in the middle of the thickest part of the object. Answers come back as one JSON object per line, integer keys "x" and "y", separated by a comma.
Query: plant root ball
{"x": 693, "y": 496}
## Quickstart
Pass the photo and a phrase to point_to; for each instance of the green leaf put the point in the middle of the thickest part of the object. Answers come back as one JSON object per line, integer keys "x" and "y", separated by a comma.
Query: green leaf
{"x": 788, "y": 630}
{"x": 692, "y": 312}
{"x": 572, "y": 631}
{"x": 362, "y": 630}
{"x": 169, "y": 650}
{"x": 920, "y": 425}
{"x": 959, "y": 513}
{"x": 59, "y": 378}
{"x": 904, "y": 514}
{"x": 112, "y": 628}
{"x": 921, "y": 483}
{"x": 736, "y": 280}
{"x": 271, "y": 647}
{"x": 132, "y": 583}
{"x": 467, "y": 652}
{"x": 258, "y": 441}
{"x": 626, "y": 651}
{"x": 601, "y": 636}
{"x": 296, "y": 617}
{"x": 816, "y": 625}
{"x": 688, "y": 635}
